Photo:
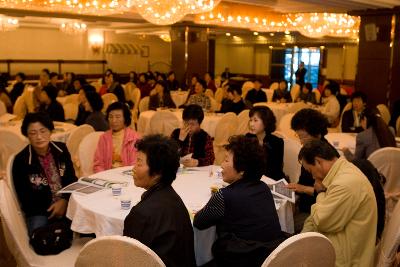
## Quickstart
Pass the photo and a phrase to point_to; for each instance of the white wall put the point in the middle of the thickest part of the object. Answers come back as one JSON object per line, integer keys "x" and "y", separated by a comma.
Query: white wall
{"x": 36, "y": 43}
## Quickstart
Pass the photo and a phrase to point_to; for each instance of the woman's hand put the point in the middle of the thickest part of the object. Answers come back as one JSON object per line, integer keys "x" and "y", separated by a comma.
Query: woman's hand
{"x": 58, "y": 208}
{"x": 190, "y": 162}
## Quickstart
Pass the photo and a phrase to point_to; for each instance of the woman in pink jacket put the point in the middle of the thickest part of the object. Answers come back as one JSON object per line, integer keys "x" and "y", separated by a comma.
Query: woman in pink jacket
{"x": 116, "y": 147}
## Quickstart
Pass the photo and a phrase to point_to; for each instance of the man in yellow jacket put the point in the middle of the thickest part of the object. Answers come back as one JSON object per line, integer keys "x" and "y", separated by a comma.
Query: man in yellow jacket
{"x": 345, "y": 210}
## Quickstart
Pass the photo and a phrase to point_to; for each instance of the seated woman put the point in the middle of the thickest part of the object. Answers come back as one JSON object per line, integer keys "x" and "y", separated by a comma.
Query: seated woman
{"x": 199, "y": 98}
{"x": 235, "y": 103}
{"x": 244, "y": 212}
{"x": 82, "y": 113}
{"x": 160, "y": 97}
{"x": 261, "y": 125}
{"x": 94, "y": 105}
{"x": 351, "y": 119}
{"x": 306, "y": 94}
{"x": 160, "y": 220}
{"x": 50, "y": 105}
{"x": 116, "y": 147}
{"x": 308, "y": 124}
{"x": 376, "y": 135}
{"x": 39, "y": 171}
{"x": 282, "y": 94}
{"x": 192, "y": 139}
{"x": 330, "y": 104}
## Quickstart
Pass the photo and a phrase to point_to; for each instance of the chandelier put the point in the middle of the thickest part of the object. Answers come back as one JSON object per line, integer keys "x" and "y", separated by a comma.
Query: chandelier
{"x": 73, "y": 28}
{"x": 314, "y": 25}
{"x": 8, "y": 24}
{"x": 166, "y": 12}
{"x": 94, "y": 7}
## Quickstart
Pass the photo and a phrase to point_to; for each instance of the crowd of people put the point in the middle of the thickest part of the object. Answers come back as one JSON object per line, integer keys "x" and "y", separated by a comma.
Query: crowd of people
{"x": 339, "y": 196}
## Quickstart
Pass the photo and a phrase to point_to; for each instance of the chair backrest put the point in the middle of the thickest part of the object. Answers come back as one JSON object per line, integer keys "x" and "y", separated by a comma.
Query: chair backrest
{"x": 20, "y": 108}
{"x": 295, "y": 92}
{"x": 3, "y": 108}
{"x": 108, "y": 99}
{"x": 71, "y": 111}
{"x": 144, "y": 104}
{"x": 215, "y": 106}
{"x": 285, "y": 127}
{"x": 306, "y": 249}
{"x": 346, "y": 108}
{"x": 13, "y": 223}
{"x": 219, "y": 95}
{"x": 269, "y": 93}
{"x": 121, "y": 251}
{"x": 385, "y": 113}
{"x": 209, "y": 93}
{"x": 226, "y": 127}
{"x": 72, "y": 98}
{"x": 386, "y": 160}
{"x": 246, "y": 87}
{"x": 243, "y": 122}
{"x": 73, "y": 141}
{"x": 390, "y": 241}
{"x": 163, "y": 122}
{"x": 291, "y": 165}
{"x": 260, "y": 104}
{"x": 87, "y": 148}
{"x": 274, "y": 86}
{"x": 136, "y": 97}
{"x": 11, "y": 143}
{"x": 398, "y": 126}
{"x": 297, "y": 106}
{"x": 317, "y": 94}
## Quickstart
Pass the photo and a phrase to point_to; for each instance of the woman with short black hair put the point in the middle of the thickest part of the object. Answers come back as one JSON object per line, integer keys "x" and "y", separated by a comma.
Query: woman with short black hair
{"x": 262, "y": 124}
{"x": 116, "y": 147}
{"x": 96, "y": 118}
{"x": 160, "y": 97}
{"x": 160, "y": 220}
{"x": 244, "y": 212}
{"x": 39, "y": 171}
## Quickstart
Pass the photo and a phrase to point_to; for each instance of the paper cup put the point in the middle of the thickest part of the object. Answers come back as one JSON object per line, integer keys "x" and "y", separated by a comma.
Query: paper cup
{"x": 125, "y": 203}
{"x": 116, "y": 189}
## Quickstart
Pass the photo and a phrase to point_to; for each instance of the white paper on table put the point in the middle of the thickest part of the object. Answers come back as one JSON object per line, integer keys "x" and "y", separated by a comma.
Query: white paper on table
{"x": 186, "y": 157}
{"x": 278, "y": 188}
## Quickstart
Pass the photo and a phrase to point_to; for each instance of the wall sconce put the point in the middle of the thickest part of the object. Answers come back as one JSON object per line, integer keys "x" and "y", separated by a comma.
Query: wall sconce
{"x": 96, "y": 40}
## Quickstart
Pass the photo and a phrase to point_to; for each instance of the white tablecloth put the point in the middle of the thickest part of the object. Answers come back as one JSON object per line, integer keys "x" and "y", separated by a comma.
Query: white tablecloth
{"x": 61, "y": 132}
{"x": 100, "y": 212}
{"x": 209, "y": 123}
{"x": 341, "y": 140}
{"x": 279, "y": 109}
{"x": 179, "y": 97}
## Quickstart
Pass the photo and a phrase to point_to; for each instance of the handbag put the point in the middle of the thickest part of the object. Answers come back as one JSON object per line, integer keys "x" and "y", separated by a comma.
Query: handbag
{"x": 52, "y": 238}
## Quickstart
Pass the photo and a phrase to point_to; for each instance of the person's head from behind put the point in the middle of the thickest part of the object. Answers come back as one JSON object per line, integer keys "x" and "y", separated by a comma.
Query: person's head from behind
{"x": 200, "y": 86}
{"x": 38, "y": 127}
{"x": 234, "y": 91}
{"x": 48, "y": 94}
{"x": 257, "y": 84}
{"x": 262, "y": 120}
{"x": 244, "y": 158}
{"x": 317, "y": 157}
{"x": 307, "y": 88}
{"x": 192, "y": 117}
{"x": 20, "y": 77}
{"x": 359, "y": 101}
{"x": 157, "y": 161}
{"x": 283, "y": 85}
{"x": 94, "y": 102}
{"x": 309, "y": 124}
{"x": 208, "y": 76}
{"x": 118, "y": 116}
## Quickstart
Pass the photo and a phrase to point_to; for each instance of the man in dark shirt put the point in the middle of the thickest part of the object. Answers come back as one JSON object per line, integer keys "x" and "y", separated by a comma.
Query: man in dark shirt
{"x": 300, "y": 74}
{"x": 256, "y": 95}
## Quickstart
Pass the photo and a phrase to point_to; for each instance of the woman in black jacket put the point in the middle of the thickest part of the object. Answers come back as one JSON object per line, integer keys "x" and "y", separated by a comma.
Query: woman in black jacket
{"x": 39, "y": 171}
{"x": 261, "y": 125}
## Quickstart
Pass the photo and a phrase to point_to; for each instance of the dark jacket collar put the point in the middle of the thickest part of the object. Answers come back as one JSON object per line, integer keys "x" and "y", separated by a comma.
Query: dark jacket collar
{"x": 52, "y": 146}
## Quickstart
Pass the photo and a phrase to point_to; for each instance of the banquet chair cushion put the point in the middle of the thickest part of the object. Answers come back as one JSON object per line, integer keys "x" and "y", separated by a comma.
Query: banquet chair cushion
{"x": 317, "y": 94}
{"x": 225, "y": 128}
{"x": 144, "y": 104}
{"x": 117, "y": 251}
{"x": 87, "y": 149}
{"x": 385, "y": 113}
{"x": 71, "y": 111}
{"x": 243, "y": 122}
{"x": 295, "y": 92}
{"x": 285, "y": 126}
{"x": 247, "y": 86}
{"x": 3, "y": 109}
{"x": 20, "y": 108}
{"x": 219, "y": 94}
{"x": 11, "y": 143}
{"x": 390, "y": 242}
{"x": 108, "y": 99}
{"x": 306, "y": 249}
{"x": 291, "y": 165}
{"x": 274, "y": 86}
{"x": 163, "y": 122}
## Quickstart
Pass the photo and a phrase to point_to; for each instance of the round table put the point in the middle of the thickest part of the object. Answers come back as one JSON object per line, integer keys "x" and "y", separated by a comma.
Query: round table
{"x": 209, "y": 123}
{"x": 341, "y": 140}
{"x": 179, "y": 97}
{"x": 60, "y": 133}
{"x": 100, "y": 212}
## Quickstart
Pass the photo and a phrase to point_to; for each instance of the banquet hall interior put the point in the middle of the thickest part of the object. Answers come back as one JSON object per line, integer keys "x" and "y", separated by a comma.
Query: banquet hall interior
{"x": 76, "y": 59}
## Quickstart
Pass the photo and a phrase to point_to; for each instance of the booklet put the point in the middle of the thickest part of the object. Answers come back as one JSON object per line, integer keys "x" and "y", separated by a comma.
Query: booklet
{"x": 88, "y": 185}
{"x": 278, "y": 188}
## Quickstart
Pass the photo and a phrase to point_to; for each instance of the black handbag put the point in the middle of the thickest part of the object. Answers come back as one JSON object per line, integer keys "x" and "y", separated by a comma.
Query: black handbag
{"x": 52, "y": 238}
